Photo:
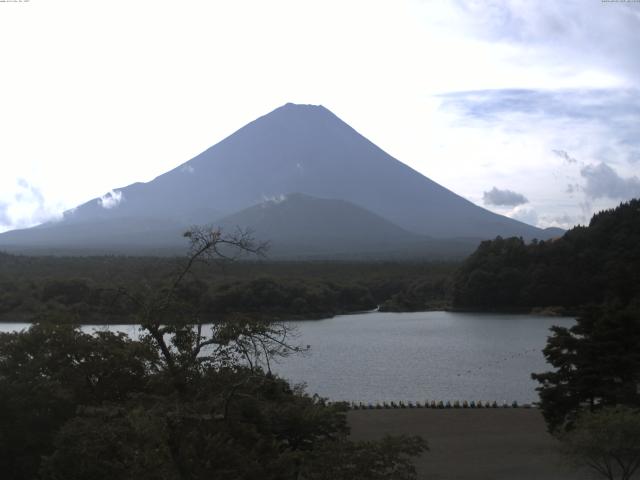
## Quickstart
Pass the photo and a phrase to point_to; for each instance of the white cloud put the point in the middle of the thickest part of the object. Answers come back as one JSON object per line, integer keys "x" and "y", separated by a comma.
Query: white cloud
{"x": 274, "y": 199}
{"x": 591, "y": 37}
{"x": 23, "y": 205}
{"x": 573, "y": 188}
{"x": 604, "y": 182}
{"x": 565, "y": 156}
{"x": 525, "y": 214}
{"x": 187, "y": 169}
{"x": 510, "y": 137}
{"x": 503, "y": 197}
{"x": 111, "y": 199}
{"x": 5, "y": 219}
{"x": 564, "y": 221}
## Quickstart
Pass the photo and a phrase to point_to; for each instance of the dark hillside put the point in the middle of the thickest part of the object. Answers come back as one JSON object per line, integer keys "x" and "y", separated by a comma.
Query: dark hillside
{"x": 591, "y": 264}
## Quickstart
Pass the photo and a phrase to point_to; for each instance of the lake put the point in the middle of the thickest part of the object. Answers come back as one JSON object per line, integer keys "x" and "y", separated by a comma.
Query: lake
{"x": 428, "y": 355}
{"x": 378, "y": 356}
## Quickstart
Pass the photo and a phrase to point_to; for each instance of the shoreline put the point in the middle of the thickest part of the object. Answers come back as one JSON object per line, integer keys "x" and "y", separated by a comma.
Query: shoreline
{"x": 542, "y": 311}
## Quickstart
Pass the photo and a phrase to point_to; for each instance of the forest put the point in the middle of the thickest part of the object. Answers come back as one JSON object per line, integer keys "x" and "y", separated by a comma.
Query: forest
{"x": 89, "y": 289}
{"x": 594, "y": 264}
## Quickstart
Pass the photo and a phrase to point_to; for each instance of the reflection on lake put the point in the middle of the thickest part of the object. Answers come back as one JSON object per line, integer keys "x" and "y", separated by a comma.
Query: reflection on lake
{"x": 414, "y": 356}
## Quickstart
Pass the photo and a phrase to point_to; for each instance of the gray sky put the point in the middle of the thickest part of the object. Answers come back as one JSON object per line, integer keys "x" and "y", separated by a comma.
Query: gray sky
{"x": 530, "y": 109}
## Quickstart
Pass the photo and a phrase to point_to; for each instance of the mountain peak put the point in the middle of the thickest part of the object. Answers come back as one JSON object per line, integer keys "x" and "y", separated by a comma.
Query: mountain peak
{"x": 301, "y": 106}
{"x": 300, "y": 110}
{"x": 295, "y": 148}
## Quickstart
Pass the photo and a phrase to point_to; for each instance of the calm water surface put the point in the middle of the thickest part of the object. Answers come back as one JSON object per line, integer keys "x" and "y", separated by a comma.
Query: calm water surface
{"x": 415, "y": 356}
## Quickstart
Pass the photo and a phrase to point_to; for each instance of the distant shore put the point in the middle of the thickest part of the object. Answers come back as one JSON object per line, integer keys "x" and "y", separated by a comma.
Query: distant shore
{"x": 546, "y": 311}
{"x": 98, "y": 320}
{"x": 472, "y": 444}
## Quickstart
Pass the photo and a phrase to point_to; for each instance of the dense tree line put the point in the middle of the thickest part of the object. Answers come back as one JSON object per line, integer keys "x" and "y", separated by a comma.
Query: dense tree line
{"x": 426, "y": 293}
{"x": 597, "y": 364}
{"x": 86, "y": 289}
{"x": 591, "y": 398}
{"x": 594, "y": 264}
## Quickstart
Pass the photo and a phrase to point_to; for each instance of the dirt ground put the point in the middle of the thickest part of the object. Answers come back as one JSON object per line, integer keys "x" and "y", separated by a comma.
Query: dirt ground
{"x": 478, "y": 444}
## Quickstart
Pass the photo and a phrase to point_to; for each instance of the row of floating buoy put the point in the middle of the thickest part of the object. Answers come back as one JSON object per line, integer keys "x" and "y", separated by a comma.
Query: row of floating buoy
{"x": 438, "y": 404}
{"x": 500, "y": 361}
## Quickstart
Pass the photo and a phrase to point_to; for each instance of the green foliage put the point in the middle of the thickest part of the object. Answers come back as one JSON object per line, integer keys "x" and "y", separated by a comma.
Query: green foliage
{"x": 89, "y": 289}
{"x": 268, "y": 296}
{"x": 419, "y": 295}
{"x": 76, "y": 406}
{"x": 263, "y": 431}
{"x": 591, "y": 264}
{"x": 184, "y": 401}
{"x": 47, "y": 372}
{"x": 597, "y": 364}
{"x": 67, "y": 292}
{"x": 608, "y": 441}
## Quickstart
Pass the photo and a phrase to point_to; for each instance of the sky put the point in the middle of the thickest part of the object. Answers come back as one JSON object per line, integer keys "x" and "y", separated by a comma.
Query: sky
{"x": 528, "y": 109}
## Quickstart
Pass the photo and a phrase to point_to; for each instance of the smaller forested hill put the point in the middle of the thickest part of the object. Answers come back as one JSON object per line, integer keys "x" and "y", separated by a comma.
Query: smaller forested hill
{"x": 591, "y": 264}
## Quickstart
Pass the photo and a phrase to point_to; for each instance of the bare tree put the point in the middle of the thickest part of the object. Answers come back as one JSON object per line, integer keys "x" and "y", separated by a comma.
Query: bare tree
{"x": 188, "y": 342}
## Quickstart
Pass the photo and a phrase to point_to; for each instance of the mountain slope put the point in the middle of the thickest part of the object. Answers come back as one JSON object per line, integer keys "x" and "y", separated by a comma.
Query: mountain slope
{"x": 99, "y": 236}
{"x": 295, "y": 148}
{"x": 300, "y": 225}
